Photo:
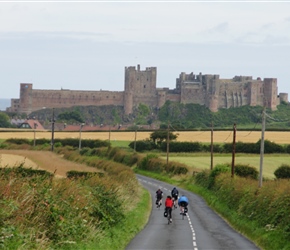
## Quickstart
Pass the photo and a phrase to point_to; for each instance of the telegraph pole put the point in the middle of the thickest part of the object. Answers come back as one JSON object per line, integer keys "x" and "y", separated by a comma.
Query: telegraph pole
{"x": 234, "y": 151}
{"x": 80, "y": 136}
{"x": 34, "y": 126}
{"x": 135, "y": 138}
{"x": 262, "y": 147}
{"x": 52, "y": 130}
{"x": 167, "y": 144}
{"x": 211, "y": 147}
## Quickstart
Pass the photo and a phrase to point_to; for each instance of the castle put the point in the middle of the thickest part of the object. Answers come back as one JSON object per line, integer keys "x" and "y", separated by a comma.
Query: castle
{"x": 140, "y": 87}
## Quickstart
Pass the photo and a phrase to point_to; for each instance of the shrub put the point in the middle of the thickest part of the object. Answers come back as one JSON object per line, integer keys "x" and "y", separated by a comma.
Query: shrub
{"x": 246, "y": 171}
{"x": 18, "y": 141}
{"x": 218, "y": 169}
{"x": 81, "y": 174}
{"x": 287, "y": 149}
{"x": 20, "y": 171}
{"x": 143, "y": 164}
{"x": 283, "y": 172}
{"x": 85, "y": 151}
{"x": 182, "y": 147}
{"x": 202, "y": 178}
{"x": 144, "y": 145}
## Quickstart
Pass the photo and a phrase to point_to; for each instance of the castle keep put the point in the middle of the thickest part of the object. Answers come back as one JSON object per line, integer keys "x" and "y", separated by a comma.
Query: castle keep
{"x": 140, "y": 87}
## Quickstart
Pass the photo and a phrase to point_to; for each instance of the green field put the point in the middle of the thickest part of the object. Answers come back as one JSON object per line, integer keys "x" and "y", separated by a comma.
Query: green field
{"x": 198, "y": 161}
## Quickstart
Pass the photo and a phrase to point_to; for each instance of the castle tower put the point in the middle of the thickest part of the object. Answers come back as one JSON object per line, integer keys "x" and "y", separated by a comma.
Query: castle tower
{"x": 140, "y": 81}
{"x": 161, "y": 98}
{"x": 140, "y": 86}
{"x": 283, "y": 97}
{"x": 25, "y": 102}
{"x": 128, "y": 102}
{"x": 270, "y": 93}
{"x": 213, "y": 89}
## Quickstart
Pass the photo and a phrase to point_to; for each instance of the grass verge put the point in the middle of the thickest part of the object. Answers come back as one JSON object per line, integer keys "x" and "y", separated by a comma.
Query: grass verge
{"x": 118, "y": 237}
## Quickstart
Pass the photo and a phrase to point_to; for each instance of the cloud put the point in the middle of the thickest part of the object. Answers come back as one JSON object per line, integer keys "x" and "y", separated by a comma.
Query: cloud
{"x": 220, "y": 28}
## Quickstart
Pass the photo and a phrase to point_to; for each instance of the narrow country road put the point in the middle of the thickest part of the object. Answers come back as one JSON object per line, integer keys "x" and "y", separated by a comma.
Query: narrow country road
{"x": 202, "y": 229}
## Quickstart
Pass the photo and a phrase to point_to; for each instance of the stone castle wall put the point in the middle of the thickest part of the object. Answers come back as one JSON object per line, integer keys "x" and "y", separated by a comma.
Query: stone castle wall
{"x": 140, "y": 87}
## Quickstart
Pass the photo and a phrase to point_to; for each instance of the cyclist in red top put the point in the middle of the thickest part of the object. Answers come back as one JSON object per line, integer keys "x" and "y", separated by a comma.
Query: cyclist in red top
{"x": 168, "y": 206}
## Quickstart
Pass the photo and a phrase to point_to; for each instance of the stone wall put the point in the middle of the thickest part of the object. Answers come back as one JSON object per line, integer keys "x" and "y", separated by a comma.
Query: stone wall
{"x": 140, "y": 87}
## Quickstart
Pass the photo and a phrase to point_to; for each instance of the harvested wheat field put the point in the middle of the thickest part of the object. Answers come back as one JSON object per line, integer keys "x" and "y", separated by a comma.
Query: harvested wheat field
{"x": 200, "y": 136}
{"x": 43, "y": 160}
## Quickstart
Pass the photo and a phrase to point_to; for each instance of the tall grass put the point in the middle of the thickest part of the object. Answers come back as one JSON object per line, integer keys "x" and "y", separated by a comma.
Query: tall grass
{"x": 38, "y": 212}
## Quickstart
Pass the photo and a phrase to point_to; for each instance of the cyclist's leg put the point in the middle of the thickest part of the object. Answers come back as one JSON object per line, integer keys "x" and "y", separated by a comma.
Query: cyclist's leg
{"x": 181, "y": 209}
{"x": 176, "y": 201}
{"x": 170, "y": 213}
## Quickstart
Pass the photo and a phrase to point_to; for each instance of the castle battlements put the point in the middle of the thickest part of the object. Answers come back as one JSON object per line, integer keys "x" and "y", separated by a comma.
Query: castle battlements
{"x": 140, "y": 87}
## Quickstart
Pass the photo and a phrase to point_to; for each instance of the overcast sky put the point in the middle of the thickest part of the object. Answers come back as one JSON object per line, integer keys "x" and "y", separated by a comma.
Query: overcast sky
{"x": 86, "y": 45}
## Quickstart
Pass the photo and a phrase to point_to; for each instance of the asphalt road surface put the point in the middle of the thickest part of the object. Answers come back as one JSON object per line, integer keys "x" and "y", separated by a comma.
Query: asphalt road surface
{"x": 201, "y": 229}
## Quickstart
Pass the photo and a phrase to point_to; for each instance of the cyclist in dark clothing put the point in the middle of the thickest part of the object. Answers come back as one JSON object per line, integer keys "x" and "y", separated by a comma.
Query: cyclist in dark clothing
{"x": 174, "y": 194}
{"x": 159, "y": 195}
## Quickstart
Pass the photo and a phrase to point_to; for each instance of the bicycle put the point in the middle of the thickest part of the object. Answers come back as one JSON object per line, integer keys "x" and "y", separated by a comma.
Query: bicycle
{"x": 169, "y": 218}
{"x": 175, "y": 200}
{"x": 158, "y": 203}
{"x": 183, "y": 211}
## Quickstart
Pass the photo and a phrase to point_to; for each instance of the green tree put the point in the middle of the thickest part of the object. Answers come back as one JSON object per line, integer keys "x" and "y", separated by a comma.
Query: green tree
{"x": 159, "y": 136}
{"x": 142, "y": 113}
{"x": 71, "y": 116}
{"x": 4, "y": 121}
{"x": 116, "y": 117}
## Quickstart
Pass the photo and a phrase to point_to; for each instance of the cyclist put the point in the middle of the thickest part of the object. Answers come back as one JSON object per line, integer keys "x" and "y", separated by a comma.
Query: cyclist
{"x": 159, "y": 195}
{"x": 168, "y": 206}
{"x": 174, "y": 194}
{"x": 183, "y": 203}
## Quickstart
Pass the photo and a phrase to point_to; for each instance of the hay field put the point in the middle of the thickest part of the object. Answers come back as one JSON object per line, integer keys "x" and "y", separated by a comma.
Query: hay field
{"x": 200, "y": 136}
{"x": 43, "y": 160}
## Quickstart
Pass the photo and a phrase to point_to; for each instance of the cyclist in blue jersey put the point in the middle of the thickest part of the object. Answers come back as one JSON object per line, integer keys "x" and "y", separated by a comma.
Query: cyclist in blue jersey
{"x": 183, "y": 203}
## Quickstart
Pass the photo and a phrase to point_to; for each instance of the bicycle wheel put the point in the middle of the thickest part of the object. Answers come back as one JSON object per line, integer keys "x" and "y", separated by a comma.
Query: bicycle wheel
{"x": 182, "y": 213}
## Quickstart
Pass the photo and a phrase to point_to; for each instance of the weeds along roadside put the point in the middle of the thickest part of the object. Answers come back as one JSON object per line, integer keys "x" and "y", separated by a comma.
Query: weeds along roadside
{"x": 266, "y": 235}
{"x": 40, "y": 213}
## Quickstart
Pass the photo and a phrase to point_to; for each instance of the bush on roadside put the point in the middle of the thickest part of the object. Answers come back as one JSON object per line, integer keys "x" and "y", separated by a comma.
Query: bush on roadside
{"x": 218, "y": 169}
{"x": 283, "y": 172}
{"x": 246, "y": 171}
{"x": 144, "y": 145}
{"x": 202, "y": 178}
{"x": 152, "y": 163}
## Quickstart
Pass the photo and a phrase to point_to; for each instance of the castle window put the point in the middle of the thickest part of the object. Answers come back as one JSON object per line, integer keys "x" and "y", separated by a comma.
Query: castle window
{"x": 114, "y": 97}
{"x": 144, "y": 86}
{"x": 107, "y": 96}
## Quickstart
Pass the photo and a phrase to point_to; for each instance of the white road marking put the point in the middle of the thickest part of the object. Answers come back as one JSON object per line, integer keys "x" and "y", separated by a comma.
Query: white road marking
{"x": 187, "y": 215}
